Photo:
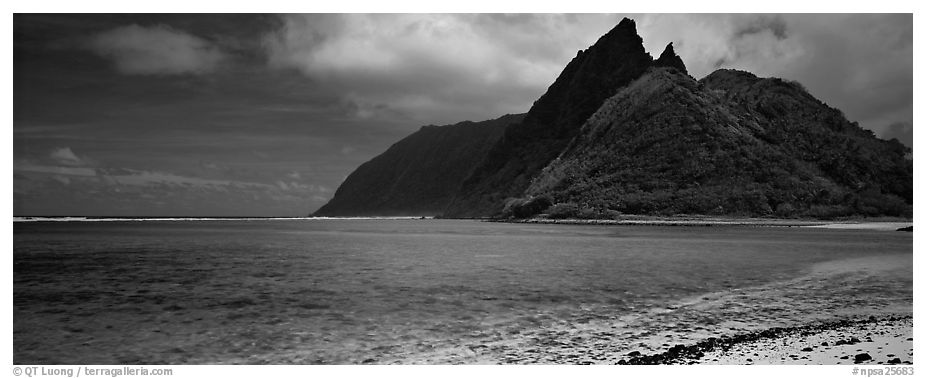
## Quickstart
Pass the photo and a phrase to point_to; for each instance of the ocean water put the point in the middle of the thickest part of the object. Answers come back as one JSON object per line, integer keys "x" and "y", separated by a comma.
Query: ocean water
{"x": 427, "y": 291}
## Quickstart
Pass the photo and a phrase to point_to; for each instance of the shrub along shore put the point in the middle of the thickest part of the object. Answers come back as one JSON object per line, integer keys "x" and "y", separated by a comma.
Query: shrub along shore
{"x": 883, "y": 223}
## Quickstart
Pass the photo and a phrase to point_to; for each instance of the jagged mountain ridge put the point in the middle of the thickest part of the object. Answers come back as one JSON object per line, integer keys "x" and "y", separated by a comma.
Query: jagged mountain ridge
{"x": 668, "y": 58}
{"x": 592, "y": 76}
{"x": 619, "y": 132}
{"x": 667, "y": 144}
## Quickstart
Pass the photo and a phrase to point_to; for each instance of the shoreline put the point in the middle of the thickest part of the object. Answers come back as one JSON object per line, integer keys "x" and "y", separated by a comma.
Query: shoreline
{"x": 889, "y": 224}
{"x": 873, "y": 340}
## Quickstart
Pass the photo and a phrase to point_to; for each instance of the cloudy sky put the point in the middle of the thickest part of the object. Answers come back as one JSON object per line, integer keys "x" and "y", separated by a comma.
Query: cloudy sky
{"x": 265, "y": 115}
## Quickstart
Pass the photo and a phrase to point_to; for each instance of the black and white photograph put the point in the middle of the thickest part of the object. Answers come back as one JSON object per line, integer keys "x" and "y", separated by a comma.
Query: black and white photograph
{"x": 405, "y": 188}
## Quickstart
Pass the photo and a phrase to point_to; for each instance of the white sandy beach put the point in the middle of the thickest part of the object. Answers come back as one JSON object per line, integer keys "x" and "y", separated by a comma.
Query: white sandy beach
{"x": 879, "y": 226}
{"x": 703, "y": 221}
{"x": 882, "y": 341}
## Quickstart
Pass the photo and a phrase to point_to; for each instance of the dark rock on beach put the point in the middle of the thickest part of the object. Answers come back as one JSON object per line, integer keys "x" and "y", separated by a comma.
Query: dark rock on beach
{"x": 719, "y": 346}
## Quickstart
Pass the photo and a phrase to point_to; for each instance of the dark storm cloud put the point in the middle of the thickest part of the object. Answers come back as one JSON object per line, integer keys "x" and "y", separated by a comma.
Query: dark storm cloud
{"x": 746, "y": 35}
{"x": 156, "y": 50}
{"x": 775, "y": 24}
{"x": 902, "y": 131}
{"x": 164, "y": 114}
{"x": 861, "y": 64}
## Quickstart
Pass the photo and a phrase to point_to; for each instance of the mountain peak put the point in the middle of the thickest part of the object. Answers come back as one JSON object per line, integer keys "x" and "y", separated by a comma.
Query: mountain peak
{"x": 595, "y": 74}
{"x": 668, "y": 58}
{"x": 623, "y": 32}
{"x": 614, "y": 136}
{"x": 627, "y": 24}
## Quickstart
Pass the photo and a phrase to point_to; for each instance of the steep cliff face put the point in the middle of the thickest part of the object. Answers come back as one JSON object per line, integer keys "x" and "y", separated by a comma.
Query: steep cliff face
{"x": 592, "y": 76}
{"x": 419, "y": 174}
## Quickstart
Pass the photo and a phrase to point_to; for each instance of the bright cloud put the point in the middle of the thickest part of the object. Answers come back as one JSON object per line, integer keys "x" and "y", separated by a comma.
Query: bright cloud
{"x": 66, "y": 156}
{"x": 437, "y": 68}
{"x": 446, "y": 68}
{"x": 70, "y": 171}
{"x": 157, "y": 50}
{"x": 142, "y": 178}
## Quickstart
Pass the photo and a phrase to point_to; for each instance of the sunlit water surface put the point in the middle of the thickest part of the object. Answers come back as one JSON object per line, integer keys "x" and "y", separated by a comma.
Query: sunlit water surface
{"x": 427, "y": 291}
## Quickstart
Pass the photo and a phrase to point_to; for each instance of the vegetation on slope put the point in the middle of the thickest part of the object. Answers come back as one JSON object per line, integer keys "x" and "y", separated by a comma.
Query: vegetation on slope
{"x": 419, "y": 174}
{"x": 727, "y": 145}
